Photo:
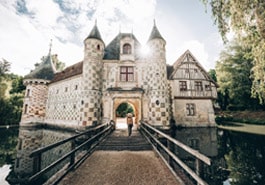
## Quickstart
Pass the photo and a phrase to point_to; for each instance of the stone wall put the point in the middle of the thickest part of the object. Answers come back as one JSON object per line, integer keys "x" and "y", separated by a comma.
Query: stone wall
{"x": 29, "y": 139}
{"x": 203, "y": 115}
{"x": 32, "y": 138}
{"x": 64, "y": 102}
{"x": 34, "y": 107}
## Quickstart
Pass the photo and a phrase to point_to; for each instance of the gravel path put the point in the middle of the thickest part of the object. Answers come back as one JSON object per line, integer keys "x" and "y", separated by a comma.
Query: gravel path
{"x": 121, "y": 168}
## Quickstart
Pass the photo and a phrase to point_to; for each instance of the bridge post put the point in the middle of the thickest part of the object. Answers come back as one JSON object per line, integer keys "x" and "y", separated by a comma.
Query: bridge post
{"x": 37, "y": 163}
{"x": 170, "y": 147}
{"x": 72, "y": 157}
{"x": 199, "y": 167}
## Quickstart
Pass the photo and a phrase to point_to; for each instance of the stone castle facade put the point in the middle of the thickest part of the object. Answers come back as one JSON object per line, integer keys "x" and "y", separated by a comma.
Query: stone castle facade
{"x": 90, "y": 91}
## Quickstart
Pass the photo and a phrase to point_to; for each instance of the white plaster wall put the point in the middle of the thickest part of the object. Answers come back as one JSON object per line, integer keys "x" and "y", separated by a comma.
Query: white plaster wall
{"x": 204, "y": 115}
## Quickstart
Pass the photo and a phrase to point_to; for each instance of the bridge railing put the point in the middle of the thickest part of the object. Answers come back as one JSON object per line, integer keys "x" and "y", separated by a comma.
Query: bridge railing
{"x": 81, "y": 146}
{"x": 167, "y": 151}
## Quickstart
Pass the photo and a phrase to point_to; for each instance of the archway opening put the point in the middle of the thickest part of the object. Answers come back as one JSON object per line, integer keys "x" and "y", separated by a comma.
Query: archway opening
{"x": 121, "y": 112}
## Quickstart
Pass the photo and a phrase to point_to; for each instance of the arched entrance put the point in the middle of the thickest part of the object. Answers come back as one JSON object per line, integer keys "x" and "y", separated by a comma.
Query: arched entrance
{"x": 121, "y": 114}
{"x": 121, "y": 107}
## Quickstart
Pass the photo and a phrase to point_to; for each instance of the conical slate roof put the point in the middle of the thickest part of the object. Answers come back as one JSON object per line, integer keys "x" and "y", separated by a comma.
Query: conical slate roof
{"x": 155, "y": 34}
{"x": 94, "y": 33}
{"x": 45, "y": 70}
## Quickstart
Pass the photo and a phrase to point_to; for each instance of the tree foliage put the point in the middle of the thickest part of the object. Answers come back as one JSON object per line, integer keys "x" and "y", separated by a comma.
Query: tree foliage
{"x": 4, "y": 67}
{"x": 17, "y": 85}
{"x": 247, "y": 20}
{"x": 234, "y": 78}
{"x": 10, "y": 106}
{"x": 124, "y": 109}
{"x": 245, "y": 158}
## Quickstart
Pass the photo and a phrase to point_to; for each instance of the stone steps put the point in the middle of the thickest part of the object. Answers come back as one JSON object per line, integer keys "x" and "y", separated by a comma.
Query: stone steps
{"x": 119, "y": 141}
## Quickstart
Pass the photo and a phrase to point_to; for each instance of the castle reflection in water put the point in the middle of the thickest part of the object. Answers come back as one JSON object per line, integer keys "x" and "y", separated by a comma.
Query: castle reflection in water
{"x": 235, "y": 156}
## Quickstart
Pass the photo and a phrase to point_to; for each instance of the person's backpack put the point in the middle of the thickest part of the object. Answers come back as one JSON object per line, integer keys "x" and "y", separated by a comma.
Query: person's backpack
{"x": 129, "y": 120}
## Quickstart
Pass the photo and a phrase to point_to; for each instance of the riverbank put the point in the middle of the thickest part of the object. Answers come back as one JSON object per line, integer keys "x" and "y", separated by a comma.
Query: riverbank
{"x": 9, "y": 126}
{"x": 247, "y": 117}
{"x": 247, "y": 128}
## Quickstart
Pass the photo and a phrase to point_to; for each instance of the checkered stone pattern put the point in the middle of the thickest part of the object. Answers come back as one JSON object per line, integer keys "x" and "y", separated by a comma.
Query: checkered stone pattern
{"x": 94, "y": 48}
{"x": 92, "y": 75}
{"x": 157, "y": 77}
{"x": 91, "y": 110}
{"x": 34, "y": 107}
{"x": 28, "y": 140}
{"x": 64, "y": 102}
{"x": 159, "y": 108}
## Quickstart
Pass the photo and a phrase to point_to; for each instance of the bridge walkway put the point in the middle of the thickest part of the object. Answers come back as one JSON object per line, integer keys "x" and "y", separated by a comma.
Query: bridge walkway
{"x": 120, "y": 160}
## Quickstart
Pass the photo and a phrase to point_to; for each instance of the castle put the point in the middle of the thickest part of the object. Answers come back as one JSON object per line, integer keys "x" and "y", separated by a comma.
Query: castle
{"x": 90, "y": 91}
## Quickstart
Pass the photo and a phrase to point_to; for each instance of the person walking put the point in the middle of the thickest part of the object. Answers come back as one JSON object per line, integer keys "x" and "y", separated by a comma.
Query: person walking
{"x": 129, "y": 123}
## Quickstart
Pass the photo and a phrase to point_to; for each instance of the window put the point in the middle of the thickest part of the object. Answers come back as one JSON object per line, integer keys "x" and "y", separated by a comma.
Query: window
{"x": 190, "y": 109}
{"x": 126, "y": 74}
{"x": 207, "y": 87}
{"x": 98, "y": 47}
{"x": 127, "y": 49}
{"x": 198, "y": 86}
{"x": 194, "y": 143}
{"x": 28, "y": 92}
{"x": 26, "y": 109}
{"x": 183, "y": 86}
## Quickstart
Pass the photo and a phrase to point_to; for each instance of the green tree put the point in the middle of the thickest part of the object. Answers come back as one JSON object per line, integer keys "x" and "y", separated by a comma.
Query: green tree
{"x": 4, "y": 67}
{"x": 247, "y": 20}
{"x": 212, "y": 74}
{"x": 123, "y": 109}
{"x": 10, "y": 106}
{"x": 234, "y": 77}
{"x": 17, "y": 85}
{"x": 59, "y": 65}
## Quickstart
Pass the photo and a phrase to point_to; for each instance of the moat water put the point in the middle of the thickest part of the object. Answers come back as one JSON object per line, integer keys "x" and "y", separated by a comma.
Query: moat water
{"x": 237, "y": 158}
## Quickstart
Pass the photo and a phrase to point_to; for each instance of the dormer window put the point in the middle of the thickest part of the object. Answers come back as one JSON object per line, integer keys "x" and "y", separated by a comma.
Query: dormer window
{"x": 127, "y": 49}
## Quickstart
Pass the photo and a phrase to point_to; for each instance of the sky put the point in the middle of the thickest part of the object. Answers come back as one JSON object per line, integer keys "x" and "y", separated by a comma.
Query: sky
{"x": 28, "y": 26}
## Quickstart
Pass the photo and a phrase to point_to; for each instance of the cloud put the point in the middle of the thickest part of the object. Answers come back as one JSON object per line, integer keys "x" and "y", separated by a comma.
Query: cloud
{"x": 28, "y": 25}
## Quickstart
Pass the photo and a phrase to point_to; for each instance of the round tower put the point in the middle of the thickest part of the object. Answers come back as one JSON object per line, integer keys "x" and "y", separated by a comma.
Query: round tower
{"x": 157, "y": 79}
{"x": 36, "y": 82}
{"x": 92, "y": 78}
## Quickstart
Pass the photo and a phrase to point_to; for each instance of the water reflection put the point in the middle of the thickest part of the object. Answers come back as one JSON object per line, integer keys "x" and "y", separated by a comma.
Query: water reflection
{"x": 237, "y": 158}
{"x": 31, "y": 138}
{"x": 8, "y": 144}
{"x": 245, "y": 157}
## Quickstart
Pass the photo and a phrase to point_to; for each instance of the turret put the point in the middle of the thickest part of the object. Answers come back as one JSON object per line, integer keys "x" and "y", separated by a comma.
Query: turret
{"x": 156, "y": 43}
{"x": 92, "y": 78}
{"x": 157, "y": 80}
{"x": 36, "y": 94}
{"x": 94, "y": 45}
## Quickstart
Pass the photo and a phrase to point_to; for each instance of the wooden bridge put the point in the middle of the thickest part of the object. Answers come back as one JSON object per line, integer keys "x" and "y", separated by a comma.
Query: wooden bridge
{"x": 122, "y": 160}
{"x": 104, "y": 156}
